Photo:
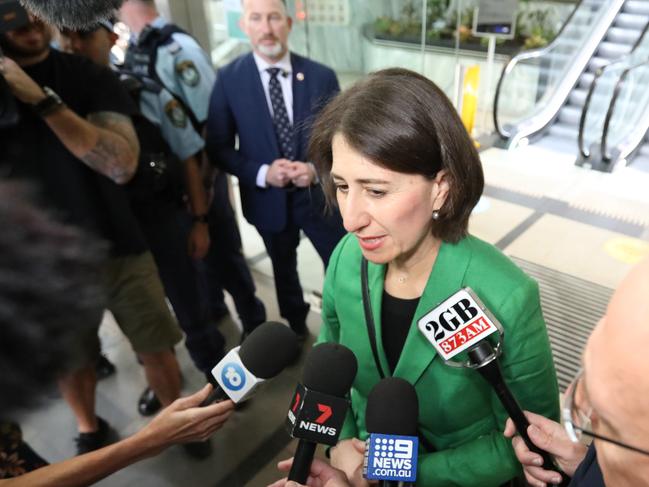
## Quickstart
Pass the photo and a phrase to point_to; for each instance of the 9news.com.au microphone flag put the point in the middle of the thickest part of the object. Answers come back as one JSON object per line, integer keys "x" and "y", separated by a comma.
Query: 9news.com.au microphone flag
{"x": 318, "y": 407}
{"x": 392, "y": 417}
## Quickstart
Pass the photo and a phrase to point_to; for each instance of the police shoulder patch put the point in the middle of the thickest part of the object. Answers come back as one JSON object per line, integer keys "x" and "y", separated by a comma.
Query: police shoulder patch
{"x": 188, "y": 73}
{"x": 176, "y": 113}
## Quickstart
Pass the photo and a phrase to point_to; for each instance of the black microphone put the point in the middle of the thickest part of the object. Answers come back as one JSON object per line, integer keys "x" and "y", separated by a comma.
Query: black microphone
{"x": 484, "y": 359}
{"x": 263, "y": 354}
{"x": 318, "y": 408}
{"x": 463, "y": 323}
{"x": 391, "y": 420}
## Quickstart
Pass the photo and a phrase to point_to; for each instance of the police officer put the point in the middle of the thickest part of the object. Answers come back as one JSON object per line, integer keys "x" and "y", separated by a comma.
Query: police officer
{"x": 173, "y": 58}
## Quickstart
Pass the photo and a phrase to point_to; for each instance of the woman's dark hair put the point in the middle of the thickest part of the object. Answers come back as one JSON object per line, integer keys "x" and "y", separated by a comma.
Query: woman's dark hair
{"x": 404, "y": 122}
{"x": 49, "y": 292}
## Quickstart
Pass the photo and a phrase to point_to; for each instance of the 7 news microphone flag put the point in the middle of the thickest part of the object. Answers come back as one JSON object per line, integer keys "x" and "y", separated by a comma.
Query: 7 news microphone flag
{"x": 262, "y": 355}
{"x": 318, "y": 407}
{"x": 391, "y": 418}
{"x": 463, "y": 323}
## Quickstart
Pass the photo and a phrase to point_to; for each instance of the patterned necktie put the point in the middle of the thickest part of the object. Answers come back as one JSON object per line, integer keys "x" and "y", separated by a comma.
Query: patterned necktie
{"x": 283, "y": 128}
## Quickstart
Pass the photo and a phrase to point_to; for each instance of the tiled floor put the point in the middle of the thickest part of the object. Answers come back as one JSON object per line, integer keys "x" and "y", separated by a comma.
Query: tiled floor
{"x": 538, "y": 207}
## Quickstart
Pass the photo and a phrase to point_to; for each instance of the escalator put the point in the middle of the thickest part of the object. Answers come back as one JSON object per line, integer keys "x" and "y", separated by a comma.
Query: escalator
{"x": 541, "y": 94}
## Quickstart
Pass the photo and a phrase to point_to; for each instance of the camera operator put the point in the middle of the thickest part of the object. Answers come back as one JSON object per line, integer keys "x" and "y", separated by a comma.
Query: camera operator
{"x": 76, "y": 142}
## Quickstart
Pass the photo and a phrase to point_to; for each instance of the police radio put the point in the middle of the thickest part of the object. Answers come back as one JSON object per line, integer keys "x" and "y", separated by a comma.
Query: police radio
{"x": 463, "y": 323}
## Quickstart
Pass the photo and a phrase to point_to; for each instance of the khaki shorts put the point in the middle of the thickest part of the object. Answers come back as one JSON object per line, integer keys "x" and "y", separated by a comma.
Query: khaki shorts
{"x": 137, "y": 300}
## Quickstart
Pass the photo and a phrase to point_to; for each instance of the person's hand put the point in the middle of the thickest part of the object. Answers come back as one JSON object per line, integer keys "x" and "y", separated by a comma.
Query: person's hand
{"x": 198, "y": 243}
{"x": 551, "y": 437}
{"x": 302, "y": 174}
{"x": 21, "y": 85}
{"x": 321, "y": 475}
{"x": 183, "y": 421}
{"x": 277, "y": 174}
{"x": 348, "y": 456}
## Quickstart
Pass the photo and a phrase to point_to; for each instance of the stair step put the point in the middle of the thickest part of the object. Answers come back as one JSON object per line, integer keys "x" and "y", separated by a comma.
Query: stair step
{"x": 639, "y": 7}
{"x": 578, "y": 97}
{"x": 597, "y": 62}
{"x": 631, "y": 21}
{"x": 560, "y": 129}
{"x": 586, "y": 79}
{"x": 611, "y": 50}
{"x": 620, "y": 35}
{"x": 570, "y": 115}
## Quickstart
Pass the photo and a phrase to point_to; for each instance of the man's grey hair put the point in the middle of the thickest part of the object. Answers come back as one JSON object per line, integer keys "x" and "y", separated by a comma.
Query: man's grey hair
{"x": 72, "y": 14}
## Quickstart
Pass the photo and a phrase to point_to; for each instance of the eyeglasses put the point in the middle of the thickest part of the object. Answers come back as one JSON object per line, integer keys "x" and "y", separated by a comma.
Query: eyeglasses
{"x": 577, "y": 413}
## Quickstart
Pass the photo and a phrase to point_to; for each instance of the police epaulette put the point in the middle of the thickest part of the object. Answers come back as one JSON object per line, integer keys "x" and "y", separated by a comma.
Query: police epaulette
{"x": 174, "y": 48}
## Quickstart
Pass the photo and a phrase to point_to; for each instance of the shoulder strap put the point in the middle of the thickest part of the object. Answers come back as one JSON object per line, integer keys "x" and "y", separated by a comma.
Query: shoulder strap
{"x": 369, "y": 319}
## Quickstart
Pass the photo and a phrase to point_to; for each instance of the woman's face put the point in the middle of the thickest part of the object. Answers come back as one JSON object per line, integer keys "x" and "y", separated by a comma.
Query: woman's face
{"x": 389, "y": 212}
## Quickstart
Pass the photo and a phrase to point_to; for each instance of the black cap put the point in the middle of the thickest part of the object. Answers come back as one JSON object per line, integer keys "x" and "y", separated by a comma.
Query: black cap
{"x": 392, "y": 408}
{"x": 330, "y": 368}
{"x": 268, "y": 349}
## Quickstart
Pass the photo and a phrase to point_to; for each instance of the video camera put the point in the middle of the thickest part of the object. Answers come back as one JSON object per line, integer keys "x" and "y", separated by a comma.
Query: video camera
{"x": 12, "y": 16}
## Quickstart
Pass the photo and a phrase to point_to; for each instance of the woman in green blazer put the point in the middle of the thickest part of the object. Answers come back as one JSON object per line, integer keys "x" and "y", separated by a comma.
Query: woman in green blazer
{"x": 405, "y": 175}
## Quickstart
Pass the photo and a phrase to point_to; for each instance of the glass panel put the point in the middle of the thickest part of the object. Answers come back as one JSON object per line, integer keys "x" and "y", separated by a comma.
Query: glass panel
{"x": 601, "y": 95}
{"x": 356, "y": 37}
{"x": 630, "y": 119}
{"x": 533, "y": 77}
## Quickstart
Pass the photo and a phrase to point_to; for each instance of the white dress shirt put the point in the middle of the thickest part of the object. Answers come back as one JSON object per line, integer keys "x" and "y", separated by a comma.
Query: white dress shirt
{"x": 286, "y": 82}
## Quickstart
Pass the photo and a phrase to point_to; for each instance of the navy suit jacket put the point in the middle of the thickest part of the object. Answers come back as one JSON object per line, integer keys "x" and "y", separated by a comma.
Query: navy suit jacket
{"x": 238, "y": 107}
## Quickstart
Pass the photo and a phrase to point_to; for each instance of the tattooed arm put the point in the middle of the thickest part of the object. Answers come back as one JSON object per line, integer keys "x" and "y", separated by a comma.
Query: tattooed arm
{"x": 106, "y": 141}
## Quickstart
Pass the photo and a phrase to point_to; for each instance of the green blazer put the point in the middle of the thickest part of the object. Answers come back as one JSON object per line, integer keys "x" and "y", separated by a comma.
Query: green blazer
{"x": 458, "y": 412}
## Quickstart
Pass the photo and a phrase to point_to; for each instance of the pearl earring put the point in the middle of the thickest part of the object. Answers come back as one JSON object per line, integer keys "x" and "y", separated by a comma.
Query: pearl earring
{"x": 436, "y": 215}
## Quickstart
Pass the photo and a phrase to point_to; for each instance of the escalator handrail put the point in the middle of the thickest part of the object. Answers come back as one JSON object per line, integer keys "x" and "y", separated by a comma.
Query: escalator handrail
{"x": 535, "y": 53}
{"x": 516, "y": 58}
{"x": 613, "y": 105}
{"x": 600, "y": 72}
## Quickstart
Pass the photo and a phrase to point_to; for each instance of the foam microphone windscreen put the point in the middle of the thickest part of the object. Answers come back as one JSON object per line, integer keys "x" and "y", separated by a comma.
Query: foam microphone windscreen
{"x": 392, "y": 408}
{"x": 268, "y": 349}
{"x": 73, "y": 14}
{"x": 330, "y": 368}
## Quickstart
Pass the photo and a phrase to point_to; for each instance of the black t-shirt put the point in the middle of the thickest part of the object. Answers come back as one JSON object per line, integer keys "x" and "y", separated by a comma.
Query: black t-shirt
{"x": 396, "y": 316}
{"x": 30, "y": 150}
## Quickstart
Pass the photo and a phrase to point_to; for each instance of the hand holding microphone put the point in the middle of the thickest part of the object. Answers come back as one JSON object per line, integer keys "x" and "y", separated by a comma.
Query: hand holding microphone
{"x": 552, "y": 437}
{"x": 463, "y": 323}
{"x": 263, "y": 354}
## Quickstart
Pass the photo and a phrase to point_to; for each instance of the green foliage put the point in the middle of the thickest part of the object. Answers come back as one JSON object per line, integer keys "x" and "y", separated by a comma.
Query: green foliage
{"x": 534, "y": 27}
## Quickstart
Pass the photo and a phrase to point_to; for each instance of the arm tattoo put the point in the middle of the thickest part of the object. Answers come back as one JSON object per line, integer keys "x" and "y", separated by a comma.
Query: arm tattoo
{"x": 117, "y": 150}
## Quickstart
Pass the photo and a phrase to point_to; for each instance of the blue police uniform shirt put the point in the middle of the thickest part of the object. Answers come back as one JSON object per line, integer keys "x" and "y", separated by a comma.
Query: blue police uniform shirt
{"x": 186, "y": 70}
{"x": 163, "y": 110}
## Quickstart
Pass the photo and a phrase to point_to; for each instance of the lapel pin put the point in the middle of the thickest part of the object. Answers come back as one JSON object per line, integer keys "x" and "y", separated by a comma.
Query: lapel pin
{"x": 300, "y": 76}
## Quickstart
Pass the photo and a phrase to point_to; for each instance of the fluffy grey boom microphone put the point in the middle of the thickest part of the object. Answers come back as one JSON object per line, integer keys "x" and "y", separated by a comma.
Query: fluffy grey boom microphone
{"x": 72, "y": 14}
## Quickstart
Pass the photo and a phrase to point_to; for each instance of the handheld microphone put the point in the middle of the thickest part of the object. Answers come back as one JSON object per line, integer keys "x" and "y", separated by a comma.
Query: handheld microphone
{"x": 318, "y": 407}
{"x": 263, "y": 354}
{"x": 462, "y": 322}
{"x": 391, "y": 419}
